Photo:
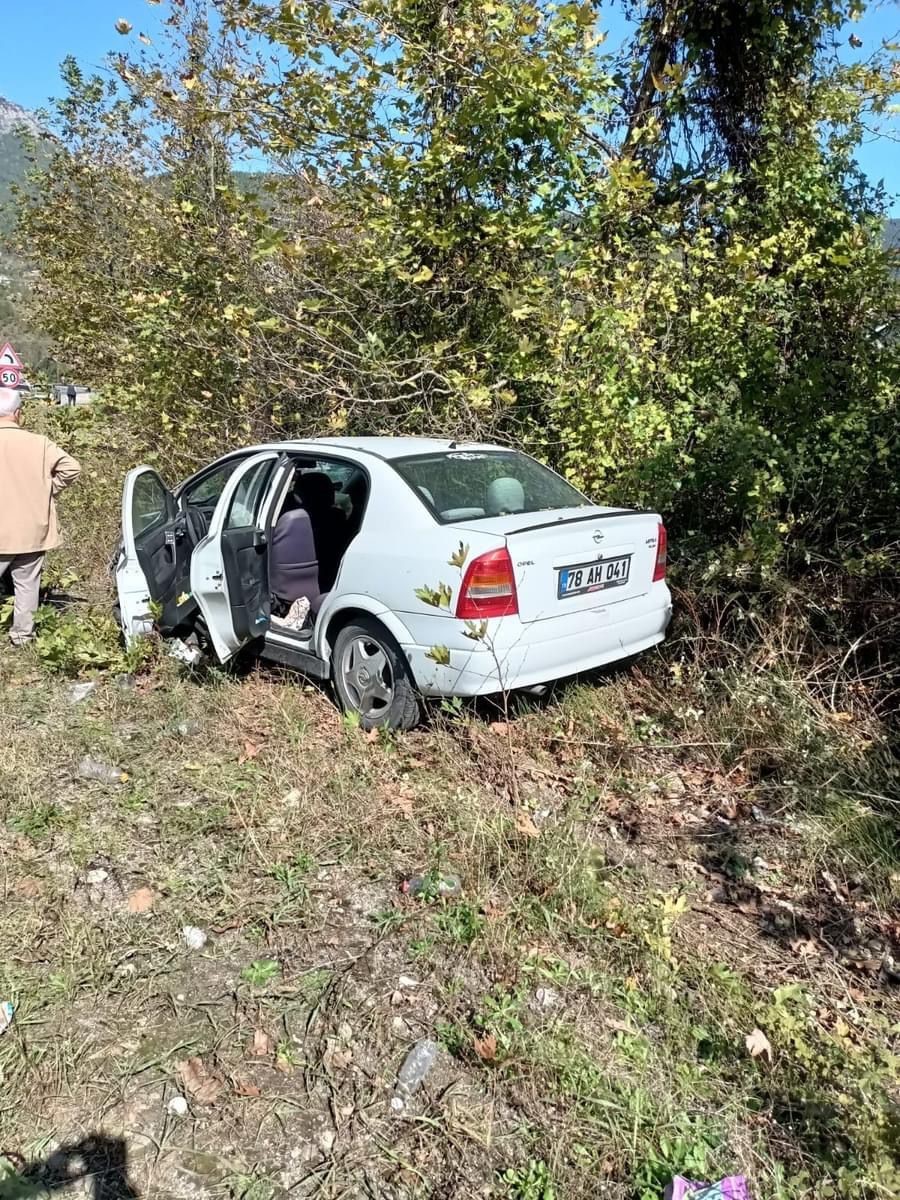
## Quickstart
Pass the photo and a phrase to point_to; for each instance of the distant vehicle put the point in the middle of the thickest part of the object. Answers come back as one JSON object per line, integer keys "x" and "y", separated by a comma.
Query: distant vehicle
{"x": 431, "y": 568}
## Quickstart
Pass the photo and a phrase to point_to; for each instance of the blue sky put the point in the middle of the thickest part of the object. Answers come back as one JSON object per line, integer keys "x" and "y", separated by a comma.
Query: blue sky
{"x": 38, "y": 34}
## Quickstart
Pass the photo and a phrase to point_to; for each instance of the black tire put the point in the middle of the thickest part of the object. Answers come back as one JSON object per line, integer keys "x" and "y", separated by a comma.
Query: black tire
{"x": 372, "y": 678}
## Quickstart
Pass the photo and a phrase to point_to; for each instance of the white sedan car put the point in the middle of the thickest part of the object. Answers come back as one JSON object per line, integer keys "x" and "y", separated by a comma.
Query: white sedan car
{"x": 428, "y": 568}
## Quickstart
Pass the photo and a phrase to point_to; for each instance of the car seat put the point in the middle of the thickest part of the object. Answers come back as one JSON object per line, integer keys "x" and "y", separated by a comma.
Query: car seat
{"x": 505, "y": 495}
{"x": 293, "y": 563}
{"x": 329, "y": 525}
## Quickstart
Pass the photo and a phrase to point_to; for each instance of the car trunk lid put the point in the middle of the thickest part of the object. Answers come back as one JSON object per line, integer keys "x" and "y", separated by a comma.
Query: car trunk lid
{"x": 576, "y": 559}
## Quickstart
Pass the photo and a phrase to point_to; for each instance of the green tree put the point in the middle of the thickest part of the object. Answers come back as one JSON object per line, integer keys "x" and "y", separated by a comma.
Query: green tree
{"x": 661, "y": 271}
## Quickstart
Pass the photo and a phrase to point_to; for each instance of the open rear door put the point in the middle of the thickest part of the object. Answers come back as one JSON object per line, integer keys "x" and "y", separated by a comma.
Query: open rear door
{"x": 230, "y": 566}
{"x": 153, "y": 568}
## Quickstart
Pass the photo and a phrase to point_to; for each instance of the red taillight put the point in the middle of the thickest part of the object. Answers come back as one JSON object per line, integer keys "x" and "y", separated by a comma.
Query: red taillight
{"x": 488, "y": 588}
{"x": 662, "y": 547}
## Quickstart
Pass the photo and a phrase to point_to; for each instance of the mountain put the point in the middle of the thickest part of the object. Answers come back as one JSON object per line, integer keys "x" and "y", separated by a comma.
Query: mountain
{"x": 17, "y": 129}
{"x": 21, "y": 140}
{"x": 13, "y": 117}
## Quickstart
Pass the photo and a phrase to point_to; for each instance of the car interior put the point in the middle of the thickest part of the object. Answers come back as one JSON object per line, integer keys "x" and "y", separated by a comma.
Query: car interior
{"x": 319, "y": 517}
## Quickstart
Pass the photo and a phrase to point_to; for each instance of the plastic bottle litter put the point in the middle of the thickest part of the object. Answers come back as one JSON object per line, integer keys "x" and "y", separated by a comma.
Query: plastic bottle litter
{"x": 416, "y": 1066}
{"x": 7, "y": 1008}
{"x": 735, "y": 1187}
{"x": 445, "y": 886}
{"x": 93, "y": 768}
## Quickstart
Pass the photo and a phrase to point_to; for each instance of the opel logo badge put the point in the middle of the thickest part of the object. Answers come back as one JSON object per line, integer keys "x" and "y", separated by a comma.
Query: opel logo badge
{"x": 598, "y": 536}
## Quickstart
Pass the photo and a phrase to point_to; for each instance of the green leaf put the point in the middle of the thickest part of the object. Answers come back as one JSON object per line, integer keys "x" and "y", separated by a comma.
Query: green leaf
{"x": 438, "y": 597}
{"x": 261, "y": 972}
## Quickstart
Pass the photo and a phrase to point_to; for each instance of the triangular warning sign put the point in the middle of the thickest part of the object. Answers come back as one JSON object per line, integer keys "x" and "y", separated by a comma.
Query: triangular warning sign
{"x": 9, "y": 358}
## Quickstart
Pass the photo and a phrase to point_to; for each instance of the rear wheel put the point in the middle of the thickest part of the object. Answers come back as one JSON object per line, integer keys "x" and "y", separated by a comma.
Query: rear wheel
{"x": 372, "y": 678}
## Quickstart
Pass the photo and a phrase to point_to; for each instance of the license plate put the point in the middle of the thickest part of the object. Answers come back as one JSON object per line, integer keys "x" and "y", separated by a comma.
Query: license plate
{"x": 594, "y": 577}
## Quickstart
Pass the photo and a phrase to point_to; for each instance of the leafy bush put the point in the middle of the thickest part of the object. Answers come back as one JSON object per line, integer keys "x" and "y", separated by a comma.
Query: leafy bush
{"x": 75, "y": 644}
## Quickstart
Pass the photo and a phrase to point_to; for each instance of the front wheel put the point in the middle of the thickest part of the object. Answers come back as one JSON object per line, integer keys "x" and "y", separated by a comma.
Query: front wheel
{"x": 371, "y": 677}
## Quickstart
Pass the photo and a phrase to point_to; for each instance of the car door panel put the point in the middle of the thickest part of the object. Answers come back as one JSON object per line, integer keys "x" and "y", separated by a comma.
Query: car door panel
{"x": 246, "y": 567}
{"x": 230, "y": 566}
{"x": 153, "y": 567}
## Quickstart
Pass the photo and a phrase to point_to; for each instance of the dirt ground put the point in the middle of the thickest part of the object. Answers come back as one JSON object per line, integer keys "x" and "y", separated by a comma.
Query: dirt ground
{"x": 667, "y": 955}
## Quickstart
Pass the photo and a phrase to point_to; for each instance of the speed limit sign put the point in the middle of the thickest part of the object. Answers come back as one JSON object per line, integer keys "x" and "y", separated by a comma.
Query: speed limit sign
{"x": 10, "y": 377}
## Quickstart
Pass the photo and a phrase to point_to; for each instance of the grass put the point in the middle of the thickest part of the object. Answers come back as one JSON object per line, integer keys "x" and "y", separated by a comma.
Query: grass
{"x": 711, "y": 851}
{"x": 593, "y": 986}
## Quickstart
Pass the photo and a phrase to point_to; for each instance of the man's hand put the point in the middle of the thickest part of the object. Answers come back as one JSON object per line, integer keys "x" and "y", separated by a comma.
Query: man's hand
{"x": 65, "y": 470}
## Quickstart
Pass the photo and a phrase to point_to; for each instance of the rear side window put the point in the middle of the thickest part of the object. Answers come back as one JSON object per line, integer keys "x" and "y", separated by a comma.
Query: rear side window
{"x": 467, "y": 485}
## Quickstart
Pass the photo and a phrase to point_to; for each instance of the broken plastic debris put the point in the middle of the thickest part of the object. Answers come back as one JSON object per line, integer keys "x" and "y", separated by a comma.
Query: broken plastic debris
{"x": 191, "y": 656}
{"x": 7, "y": 1008}
{"x": 445, "y": 886}
{"x": 411, "y": 1075}
{"x": 178, "y": 1106}
{"x": 93, "y": 768}
{"x": 193, "y": 937}
{"x": 81, "y": 691}
{"x": 733, "y": 1188}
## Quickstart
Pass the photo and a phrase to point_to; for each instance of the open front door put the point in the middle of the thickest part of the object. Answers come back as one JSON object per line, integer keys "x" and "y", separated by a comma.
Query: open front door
{"x": 230, "y": 566}
{"x": 153, "y": 569}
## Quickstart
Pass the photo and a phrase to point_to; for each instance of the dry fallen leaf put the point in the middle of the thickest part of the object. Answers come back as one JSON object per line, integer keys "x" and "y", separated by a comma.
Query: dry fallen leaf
{"x": 525, "y": 825}
{"x": 243, "y": 1088}
{"x": 618, "y": 1026}
{"x": 199, "y": 1082}
{"x": 758, "y": 1044}
{"x": 336, "y": 1059}
{"x": 142, "y": 900}
{"x": 486, "y": 1047}
{"x": 401, "y": 798}
{"x": 500, "y": 728}
{"x": 251, "y": 751}
{"x": 804, "y": 947}
{"x": 261, "y": 1045}
{"x": 28, "y": 887}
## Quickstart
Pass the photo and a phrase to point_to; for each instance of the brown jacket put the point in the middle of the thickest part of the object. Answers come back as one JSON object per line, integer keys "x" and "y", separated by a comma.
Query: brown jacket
{"x": 32, "y": 474}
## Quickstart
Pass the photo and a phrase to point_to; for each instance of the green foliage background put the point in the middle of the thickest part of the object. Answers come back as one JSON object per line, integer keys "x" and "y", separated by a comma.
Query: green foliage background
{"x": 660, "y": 270}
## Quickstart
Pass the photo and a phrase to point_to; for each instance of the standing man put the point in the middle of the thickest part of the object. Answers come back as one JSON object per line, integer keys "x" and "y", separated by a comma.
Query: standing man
{"x": 71, "y": 395}
{"x": 32, "y": 474}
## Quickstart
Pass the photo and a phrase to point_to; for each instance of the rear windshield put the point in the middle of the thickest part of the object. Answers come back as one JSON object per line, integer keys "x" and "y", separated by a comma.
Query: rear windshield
{"x": 466, "y": 485}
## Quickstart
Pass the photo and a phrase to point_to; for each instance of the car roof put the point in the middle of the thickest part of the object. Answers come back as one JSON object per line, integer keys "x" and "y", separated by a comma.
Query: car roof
{"x": 398, "y": 447}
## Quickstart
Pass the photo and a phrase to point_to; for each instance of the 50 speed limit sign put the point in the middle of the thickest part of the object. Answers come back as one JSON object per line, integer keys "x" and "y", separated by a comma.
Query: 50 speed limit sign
{"x": 10, "y": 377}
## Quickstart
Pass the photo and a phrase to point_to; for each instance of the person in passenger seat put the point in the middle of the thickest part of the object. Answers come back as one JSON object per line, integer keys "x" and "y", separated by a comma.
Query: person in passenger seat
{"x": 315, "y": 490}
